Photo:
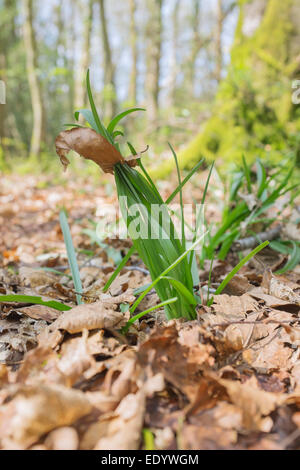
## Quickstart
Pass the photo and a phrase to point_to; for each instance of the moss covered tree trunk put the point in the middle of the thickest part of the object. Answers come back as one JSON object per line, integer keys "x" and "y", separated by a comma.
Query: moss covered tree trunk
{"x": 253, "y": 113}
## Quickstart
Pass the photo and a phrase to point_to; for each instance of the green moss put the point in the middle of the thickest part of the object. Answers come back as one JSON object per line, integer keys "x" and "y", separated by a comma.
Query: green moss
{"x": 253, "y": 112}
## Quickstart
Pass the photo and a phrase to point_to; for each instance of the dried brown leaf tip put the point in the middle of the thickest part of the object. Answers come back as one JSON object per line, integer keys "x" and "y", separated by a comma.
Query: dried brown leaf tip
{"x": 89, "y": 144}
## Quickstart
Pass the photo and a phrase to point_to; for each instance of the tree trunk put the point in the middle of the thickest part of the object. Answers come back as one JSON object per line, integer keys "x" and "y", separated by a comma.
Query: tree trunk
{"x": 133, "y": 44}
{"x": 174, "y": 64}
{"x": 194, "y": 49}
{"x": 219, "y": 51}
{"x": 80, "y": 85}
{"x": 2, "y": 105}
{"x": 253, "y": 113}
{"x": 7, "y": 42}
{"x": 153, "y": 53}
{"x": 34, "y": 85}
{"x": 110, "y": 104}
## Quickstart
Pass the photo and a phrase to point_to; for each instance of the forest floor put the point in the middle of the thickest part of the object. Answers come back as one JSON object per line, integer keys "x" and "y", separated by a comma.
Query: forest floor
{"x": 71, "y": 380}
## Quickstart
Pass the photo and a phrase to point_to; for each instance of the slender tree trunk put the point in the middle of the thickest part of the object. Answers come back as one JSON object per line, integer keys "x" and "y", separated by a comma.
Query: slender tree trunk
{"x": 80, "y": 88}
{"x": 194, "y": 49}
{"x": 34, "y": 85}
{"x": 133, "y": 43}
{"x": 7, "y": 40}
{"x": 60, "y": 27}
{"x": 109, "y": 72}
{"x": 3, "y": 105}
{"x": 71, "y": 36}
{"x": 174, "y": 65}
{"x": 223, "y": 10}
{"x": 153, "y": 53}
{"x": 219, "y": 52}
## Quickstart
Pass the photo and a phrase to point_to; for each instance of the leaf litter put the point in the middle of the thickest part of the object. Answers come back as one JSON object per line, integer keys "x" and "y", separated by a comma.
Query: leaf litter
{"x": 72, "y": 380}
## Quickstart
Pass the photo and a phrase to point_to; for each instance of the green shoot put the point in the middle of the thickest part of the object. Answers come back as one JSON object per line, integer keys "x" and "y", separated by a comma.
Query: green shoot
{"x": 119, "y": 269}
{"x": 32, "y": 299}
{"x": 71, "y": 255}
{"x": 186, "y": 179}
{"x": 164, "y": 273}
{"x": 181, "y": 199}
{"x": 239, "y": 266}
{"x": 111, "y": 126}
{"x": 148, "y": 439}
{"x": 149, "y": 310}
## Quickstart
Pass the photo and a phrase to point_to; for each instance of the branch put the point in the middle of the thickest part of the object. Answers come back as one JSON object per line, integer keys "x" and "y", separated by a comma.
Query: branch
{"x": 251, "y": 242}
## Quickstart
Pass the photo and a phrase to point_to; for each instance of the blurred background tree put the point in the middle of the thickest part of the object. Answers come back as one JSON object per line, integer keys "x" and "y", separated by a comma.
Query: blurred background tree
{"x": 215, "y": 77}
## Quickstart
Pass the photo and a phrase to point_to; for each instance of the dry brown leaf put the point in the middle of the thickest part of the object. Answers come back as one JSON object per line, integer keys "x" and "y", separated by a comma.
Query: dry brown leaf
{"x": 3, "y": 375}
{"x": 40, "y": 312}
{"x": 273, "y": 355}
{"x": 89, "y": 144}
{"x": 171, "y": 355}
{"x": 122, "y": 375}
{"x": 238, "y": 336}
{"x": 102, "y": 401}
{"x": 279, "y": 287}
{"x": 234, "y": 307}
{"x": 296, "y": 418}
{"x": 75, "y": 359}
{"x": 40, "y": 365}
{"x": 163, "y": 438}
{"x": 222, "y": 422}
{"x": 18, "y": 335}
{"x": 255, "y": 404}
{"x": 206, "y": 438}
{"x": 32, "y": 277}
{"x": 90, "y": 317}
{"x": 295, "y": 376}
{"x": 109, "y": 300}
{"x": 37, "y": 409}
{"x": 129, "y": 280}
{"x": 293, "y": 335}
{"x": 266, "y": 444}
{"x": 123, "y": 430}
{"x": 64, "y": 438}
{"x": 238, "y": 285}
{"x": 270, "y": 301}
{"x": 99, "y": 343}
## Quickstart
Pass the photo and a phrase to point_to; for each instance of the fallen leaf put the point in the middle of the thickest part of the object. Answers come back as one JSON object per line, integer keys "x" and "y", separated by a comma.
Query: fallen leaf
{"x": 279, "y": 287}
{"x": 238, "y": 285}
{"x": 171, "y": 355}
{"x": 40, "y": 312}
{"x": 234, "y": 307}
{"x": 89, "y": 144}
{"x": 32, "y": 277}
{"x": 34, "y": 410}
{"x": 273, "y": 355}
{"x": 123, "y": 429}
{"x": 255, "y": 404}
{"x": 206, "y": 438}
{"x": 90, "y": 317}
{"x": 64, "y": 438}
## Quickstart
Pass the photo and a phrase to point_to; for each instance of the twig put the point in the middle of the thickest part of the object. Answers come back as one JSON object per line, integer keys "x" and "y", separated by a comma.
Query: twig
{"x": 291, "y": 438}
{"x": 136, "y": 268}
{"x": 255, "y": 322}
{"x": 251, "y": 242}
